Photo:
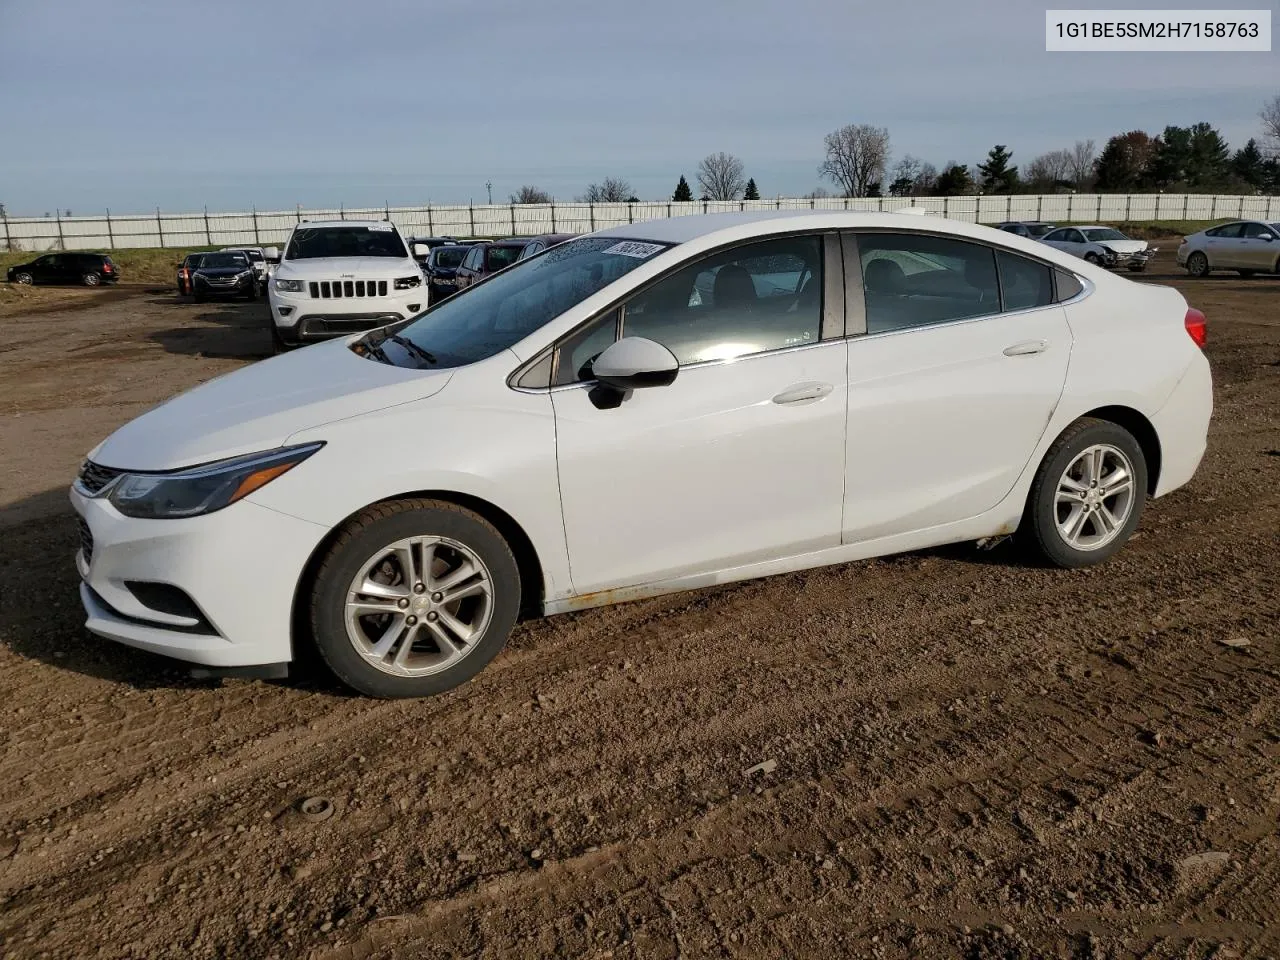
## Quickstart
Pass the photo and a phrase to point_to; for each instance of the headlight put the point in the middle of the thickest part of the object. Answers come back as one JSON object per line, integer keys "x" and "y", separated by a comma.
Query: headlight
{"x": 244, "y": 273}
{"x": 199, "y": 490}
{"x": 289, "y": 286}
{"x": 408, "y": 283}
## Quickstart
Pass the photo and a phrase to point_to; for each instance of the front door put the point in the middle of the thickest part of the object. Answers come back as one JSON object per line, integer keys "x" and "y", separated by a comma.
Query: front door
{"x": 951, "y": 387}
{"x": 1258, "y": 247}
{"x": 741, "y": 459}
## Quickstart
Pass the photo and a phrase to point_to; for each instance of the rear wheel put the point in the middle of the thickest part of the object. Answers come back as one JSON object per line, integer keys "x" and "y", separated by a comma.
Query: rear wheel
{"x": 1198, "y": 265}
{"x": 91, "y": 279}
{"x": 1087, "y": 496}
{"x": 414, "y": 598}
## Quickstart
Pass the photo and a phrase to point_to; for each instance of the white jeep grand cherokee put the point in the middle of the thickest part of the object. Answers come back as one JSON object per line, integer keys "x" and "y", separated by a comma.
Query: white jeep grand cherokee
{"x": 342, "y": 276}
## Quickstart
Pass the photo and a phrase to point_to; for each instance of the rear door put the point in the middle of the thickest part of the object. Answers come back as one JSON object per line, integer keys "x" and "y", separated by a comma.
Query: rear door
{"x": 951, "y": 385}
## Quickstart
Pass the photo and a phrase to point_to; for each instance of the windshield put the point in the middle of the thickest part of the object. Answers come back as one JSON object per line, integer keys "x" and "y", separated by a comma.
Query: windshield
{"x": 1039, "y": 229}
{"x": 375, "y": 240}
{"x": 449, "y": 257}
{"x": 217, "y": 261}
{"x": 495, "y": 258}
{"x": 1104, "y": 233}
{"x": 491, "y": 316}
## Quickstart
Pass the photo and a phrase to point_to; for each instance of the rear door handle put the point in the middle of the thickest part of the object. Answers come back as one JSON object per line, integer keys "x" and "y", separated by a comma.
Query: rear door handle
{"x": 1026, "y": 347}
{"x": 803, "y": 392}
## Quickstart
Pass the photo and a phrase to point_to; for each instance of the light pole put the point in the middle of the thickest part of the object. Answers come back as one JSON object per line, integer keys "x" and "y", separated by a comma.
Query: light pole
{"x": 488, "y": 185}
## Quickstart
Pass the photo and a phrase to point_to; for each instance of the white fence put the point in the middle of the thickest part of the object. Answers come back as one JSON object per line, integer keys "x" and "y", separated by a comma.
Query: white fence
{"x": 111, "y": 232}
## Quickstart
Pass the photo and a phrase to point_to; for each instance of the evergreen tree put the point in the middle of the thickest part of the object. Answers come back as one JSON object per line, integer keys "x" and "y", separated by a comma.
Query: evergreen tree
{"x": 953, "y": 181}
{"x": 751, "y": 193}
{"x": 683, "y": 194}
{"x": 1249, "y": 165}
{"x": 1210, "y": 163}
{"x": 997, "y": 175}
{"x": 1123, "y": 164}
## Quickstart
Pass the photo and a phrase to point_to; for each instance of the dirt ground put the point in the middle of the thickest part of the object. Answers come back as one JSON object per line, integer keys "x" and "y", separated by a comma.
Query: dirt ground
{"x": 965, "y": 756}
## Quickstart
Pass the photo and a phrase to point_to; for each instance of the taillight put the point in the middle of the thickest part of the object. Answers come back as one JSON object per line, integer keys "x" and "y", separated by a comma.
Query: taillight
{"x": 106, "y": 268}
{"x": 1194, "y": 323}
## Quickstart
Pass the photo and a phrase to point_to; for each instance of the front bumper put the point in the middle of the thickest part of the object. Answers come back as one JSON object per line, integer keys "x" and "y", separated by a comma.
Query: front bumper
{"x": 239, "y": 566}
{"x": 1134, "y": 261}
{"x": 237, "y": 289}
{"x": 300, "y": 318}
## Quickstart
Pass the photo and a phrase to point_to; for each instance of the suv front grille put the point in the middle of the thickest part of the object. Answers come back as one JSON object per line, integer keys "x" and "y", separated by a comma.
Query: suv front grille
{"x": 340, "y": 289}
{"x": 93, "y": 477}
{"x": 86, "y": 539}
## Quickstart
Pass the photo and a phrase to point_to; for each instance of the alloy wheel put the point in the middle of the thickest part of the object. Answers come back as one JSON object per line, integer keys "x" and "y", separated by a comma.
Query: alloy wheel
{"x": 1095, "y": 497}
{"x": 23, "y": 278}
{"x": 419, "y": 605}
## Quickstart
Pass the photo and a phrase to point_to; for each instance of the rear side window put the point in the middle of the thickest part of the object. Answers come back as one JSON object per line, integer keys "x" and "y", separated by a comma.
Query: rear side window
{"x": 1068, "y": 286}
{"x": 912, "y": 280}
{"x": 1024, "y": 283}
{"x": 1231, "y": 231}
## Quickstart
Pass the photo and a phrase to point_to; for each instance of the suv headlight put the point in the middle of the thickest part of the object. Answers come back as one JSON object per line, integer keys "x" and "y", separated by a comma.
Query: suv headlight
{"x": 195, "y": 491}
{"x": 289, "y": 286}
{"x": 408, "y": 283}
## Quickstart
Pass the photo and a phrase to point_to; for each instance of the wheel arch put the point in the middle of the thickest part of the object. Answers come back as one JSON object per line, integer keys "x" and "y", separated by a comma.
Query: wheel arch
{"x": 1143, "y": 431}
{"x": 528, "y": 563}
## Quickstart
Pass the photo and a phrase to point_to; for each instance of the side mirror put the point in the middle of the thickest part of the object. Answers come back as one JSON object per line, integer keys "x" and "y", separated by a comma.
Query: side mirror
{"x": 629, "y": 364}
{"x": 272, "y": 254}
{"x": 1267, "y": 237}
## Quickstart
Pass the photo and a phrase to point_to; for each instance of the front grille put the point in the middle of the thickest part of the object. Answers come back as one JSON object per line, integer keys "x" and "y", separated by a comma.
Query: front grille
{"x": 340, "y": 289}
{"x": 86, "y": 539}
{"x": 93, "y": 476}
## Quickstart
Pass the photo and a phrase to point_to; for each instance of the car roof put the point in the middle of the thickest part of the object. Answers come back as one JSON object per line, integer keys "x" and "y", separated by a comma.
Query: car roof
{"x": 342, "y": 223}
{"x": 743, "y": 225}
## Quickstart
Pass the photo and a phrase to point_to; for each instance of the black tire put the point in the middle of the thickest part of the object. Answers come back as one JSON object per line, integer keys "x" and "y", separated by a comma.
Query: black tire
{"x": 252, "y": 294}
{"x": 24, "y": 278}
{"x": 278, "y": 343}
{"x": 1137, "y": 267}
{"x": 91, "y": 279}
{"x": 372, "y": 530}
{"x": 1039, "y": 528}
{"x": 1198, "y": 265}
{"x": 197, "y": 297}
{"x": 1246, "y": 273}
{"x": 1093, "y": 258}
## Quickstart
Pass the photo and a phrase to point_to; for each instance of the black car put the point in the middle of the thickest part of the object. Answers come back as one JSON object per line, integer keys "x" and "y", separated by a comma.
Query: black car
{"x": 486, "y": 258}
{"x": 190, "y": 263}
{"x": 441, "y": 270}
{"x": 90, "y": 269}
{"x": 224, "y": 275}
{"x": 430, "y": 243}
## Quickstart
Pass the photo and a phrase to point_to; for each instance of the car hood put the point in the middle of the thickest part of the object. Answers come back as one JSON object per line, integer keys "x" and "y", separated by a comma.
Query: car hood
{"x": 221, "y": 271}
{"x": 330, "y": 267}
{"x": 260, "y": 406}
{"x": 1123, "y": 246}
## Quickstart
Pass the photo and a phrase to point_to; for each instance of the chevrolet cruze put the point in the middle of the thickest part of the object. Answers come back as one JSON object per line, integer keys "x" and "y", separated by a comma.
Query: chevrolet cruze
{"x": 646, "y": 409}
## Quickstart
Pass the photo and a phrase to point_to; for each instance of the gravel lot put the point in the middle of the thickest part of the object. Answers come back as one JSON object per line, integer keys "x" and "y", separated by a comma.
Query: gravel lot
{"x": 964, "y": 756}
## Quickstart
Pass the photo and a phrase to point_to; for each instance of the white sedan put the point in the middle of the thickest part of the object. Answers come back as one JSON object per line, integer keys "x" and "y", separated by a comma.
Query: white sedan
{"x": 651, "y": 408}
{"x": 1105, "y": 246}
{"x": 1246, "y": 246}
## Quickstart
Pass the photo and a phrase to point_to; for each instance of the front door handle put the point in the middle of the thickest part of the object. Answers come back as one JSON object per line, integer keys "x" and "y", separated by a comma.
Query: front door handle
{"x": 1026, "y": 347}
{"x": 803, "y": 392}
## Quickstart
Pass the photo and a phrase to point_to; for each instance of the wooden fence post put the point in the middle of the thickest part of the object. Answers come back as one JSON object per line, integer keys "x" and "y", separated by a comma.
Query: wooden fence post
{"x": 512, "y": 207}
{"x": 111, "y": 240}
{"x": 553, "y": 216}
{"x": 431, "y": 230}
{"x": 256, "y": 241}
{"x": 591, "y": 212}
{"x": 471, "y": 209}
{"x": 8, "y": 246}
{"x": 160, "y": 226}
{"x": 208, "y": 238}
{"x": 62, "y": 243}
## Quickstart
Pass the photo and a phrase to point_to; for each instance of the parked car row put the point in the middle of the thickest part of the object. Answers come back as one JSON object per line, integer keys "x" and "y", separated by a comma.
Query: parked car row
{"x": 1097, "y": 243}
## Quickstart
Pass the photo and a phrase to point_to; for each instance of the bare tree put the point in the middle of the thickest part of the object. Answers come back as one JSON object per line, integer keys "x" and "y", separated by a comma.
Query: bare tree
{"x": 1050, "y": 169}
{"x": 611, "y": 190}
{"x": 1083, "y": 156}
{"x": 926, "y": 180}
{"x": 856, "y": 157}
{"x": 720, "y": 177}
{"x": 531, "y": 194}
{"x": 1271, "y": 121}
{"x": 817, "y": 193}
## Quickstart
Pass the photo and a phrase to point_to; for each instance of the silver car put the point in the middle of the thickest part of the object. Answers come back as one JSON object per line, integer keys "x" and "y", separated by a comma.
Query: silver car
{"x": 1246, "y": 246}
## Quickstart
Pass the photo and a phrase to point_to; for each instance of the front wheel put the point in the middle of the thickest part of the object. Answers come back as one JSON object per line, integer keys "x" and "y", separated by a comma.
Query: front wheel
{"x": 1198, "y": 265}
{"x": 1087, "y": 496}
{"x": 24, "y": 278}
{"x": 1093, "y": 258}
{"x": 414, "y": 598}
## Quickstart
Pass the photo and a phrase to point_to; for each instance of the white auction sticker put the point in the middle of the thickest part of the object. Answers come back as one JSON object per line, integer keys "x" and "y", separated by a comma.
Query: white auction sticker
{"x": 1157, "y": 30}
{"x": 380, "y": 226}
{"x": 632, "y": 248}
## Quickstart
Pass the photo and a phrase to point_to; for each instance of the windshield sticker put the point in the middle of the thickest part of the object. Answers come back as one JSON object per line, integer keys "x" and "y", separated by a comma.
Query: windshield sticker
{"x": 384, "y": 227}
{"x": 630, "y": 248}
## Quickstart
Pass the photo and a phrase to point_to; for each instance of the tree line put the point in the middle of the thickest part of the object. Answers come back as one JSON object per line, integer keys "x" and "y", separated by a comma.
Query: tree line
{"x": 1194, "y": 159}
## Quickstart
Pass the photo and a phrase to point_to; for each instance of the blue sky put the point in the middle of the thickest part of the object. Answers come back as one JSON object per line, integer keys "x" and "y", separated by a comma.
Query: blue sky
{"x": 132, "y": 104}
